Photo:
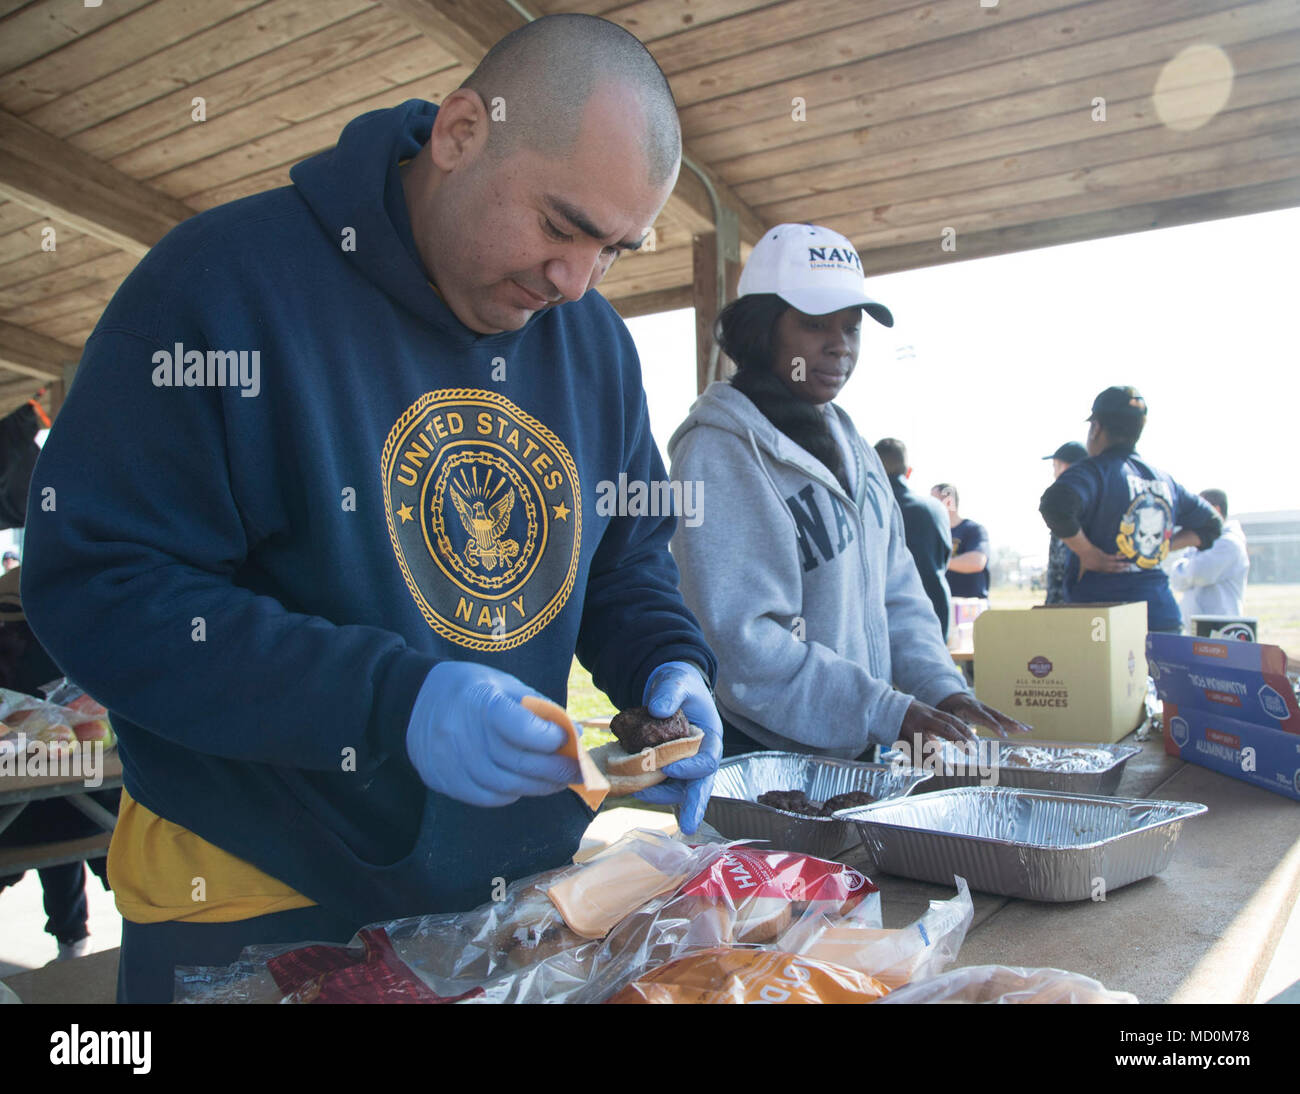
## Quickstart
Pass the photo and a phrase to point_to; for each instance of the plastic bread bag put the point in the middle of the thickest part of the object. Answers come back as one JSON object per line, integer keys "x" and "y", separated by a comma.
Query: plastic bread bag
{"x": 742, "y": 974}
{"x": 553, "y": 935}
{"x": 1004, "y": 984}
{"x": 63, "y": 692}
{"x": 548, "y": 938}
{"x": 38, "y": 720}
{"x": 748, "y": 895}
{"x": 828, "y": 956}
{"x": 894, "y": 957}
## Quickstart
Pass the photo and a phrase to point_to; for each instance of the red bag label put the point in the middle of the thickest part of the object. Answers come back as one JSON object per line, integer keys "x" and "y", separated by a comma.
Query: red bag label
{"x": 337, "y": 974}
{"x": 739, "y": 874}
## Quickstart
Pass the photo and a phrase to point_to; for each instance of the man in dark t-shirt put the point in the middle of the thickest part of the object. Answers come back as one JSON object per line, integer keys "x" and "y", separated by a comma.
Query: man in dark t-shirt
{"x": 968, "y": 569}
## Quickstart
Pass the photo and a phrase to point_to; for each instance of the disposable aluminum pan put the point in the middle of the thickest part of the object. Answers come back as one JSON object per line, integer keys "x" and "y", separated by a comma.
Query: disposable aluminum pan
{"x": 734, "y": 810}
{"x": 985, "y": 770}
{"x": 1039, "y": 845}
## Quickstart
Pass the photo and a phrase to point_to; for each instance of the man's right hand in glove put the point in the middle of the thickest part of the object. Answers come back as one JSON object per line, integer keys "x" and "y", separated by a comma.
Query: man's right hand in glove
{"x": 470, "y": 738}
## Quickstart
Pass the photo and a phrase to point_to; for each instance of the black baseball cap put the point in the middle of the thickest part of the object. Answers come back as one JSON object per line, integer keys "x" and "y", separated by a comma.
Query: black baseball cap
{"x": 1070, "y": 452}
{"x": 1118, "y": 402}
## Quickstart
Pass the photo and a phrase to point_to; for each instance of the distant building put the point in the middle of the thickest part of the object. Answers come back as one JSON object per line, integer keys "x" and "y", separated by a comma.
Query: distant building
{"x": 1273, "y": 543}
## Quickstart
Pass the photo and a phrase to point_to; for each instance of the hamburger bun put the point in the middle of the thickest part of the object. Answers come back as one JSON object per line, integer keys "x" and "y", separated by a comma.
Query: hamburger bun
{"x": 628, "y": 773}
{"x": 755, "y": 921}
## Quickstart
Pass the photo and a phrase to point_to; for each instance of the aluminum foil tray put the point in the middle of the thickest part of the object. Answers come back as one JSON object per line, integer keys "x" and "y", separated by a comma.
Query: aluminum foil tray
{"x": 985, "y": 769}
{"x": 735, "y": 813}
{"x": 1039, "y": 845}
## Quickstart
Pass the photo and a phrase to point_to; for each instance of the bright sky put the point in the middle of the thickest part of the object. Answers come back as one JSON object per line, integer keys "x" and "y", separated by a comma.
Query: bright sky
{"x": 1010, "y": 351}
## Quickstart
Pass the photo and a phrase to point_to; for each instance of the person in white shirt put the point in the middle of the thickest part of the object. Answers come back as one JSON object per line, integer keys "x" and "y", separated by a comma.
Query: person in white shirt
{"x": 1213, "y": 581}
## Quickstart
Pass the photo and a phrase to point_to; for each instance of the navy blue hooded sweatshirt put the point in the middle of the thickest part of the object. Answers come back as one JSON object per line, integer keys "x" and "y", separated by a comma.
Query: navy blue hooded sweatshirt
{"x": 1125, "y": 506}
{"x": 255, "y": 571}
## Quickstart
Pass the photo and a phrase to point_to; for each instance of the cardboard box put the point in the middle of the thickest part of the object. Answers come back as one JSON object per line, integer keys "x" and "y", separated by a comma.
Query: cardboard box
{"x": 1073, "y": 672}
{"x": 1229, "y": 707}
{"x": 1244, "y": 681}
{"x": 1264, "y": 757}
{"x": 962, "y": 613}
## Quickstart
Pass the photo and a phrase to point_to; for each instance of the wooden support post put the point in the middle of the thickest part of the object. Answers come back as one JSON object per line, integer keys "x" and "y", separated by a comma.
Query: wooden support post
{"x": 704, "y": 290}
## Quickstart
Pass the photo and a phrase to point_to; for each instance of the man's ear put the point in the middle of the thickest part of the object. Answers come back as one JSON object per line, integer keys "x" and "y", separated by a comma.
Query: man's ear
{"x": 908, "y": 473}
{"x": 459, "y": 131}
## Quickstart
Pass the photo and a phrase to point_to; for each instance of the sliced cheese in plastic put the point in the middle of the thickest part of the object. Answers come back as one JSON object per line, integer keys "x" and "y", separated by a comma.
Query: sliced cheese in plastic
{"x": 602, "y": 892}
{"x": 594, "y": 785}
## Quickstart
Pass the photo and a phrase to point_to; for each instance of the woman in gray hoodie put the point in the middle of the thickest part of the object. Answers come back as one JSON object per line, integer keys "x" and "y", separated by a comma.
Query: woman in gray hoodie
{"x": 797, "y": 566}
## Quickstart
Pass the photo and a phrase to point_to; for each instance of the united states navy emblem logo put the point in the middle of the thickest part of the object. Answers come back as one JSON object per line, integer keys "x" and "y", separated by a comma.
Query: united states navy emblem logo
{"x": 483, "y": 511}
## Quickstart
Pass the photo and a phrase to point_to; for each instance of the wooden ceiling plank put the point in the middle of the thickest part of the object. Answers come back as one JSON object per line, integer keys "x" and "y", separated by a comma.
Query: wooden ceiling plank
{"x": 248, "y": 35}
{"x": 840, "y": 56}
{"x": 34, "y": 354}
{"x": 1009, "y": 94}
{"x": 971, "y": 73}
{"x": 407, "y": 63}
{"x": 652, "y": 281}
{"x": 1146, "y": 143}
{"x": 465, "y": 28}
{"x": 919, "y": 143}
{"x": 98, "y": 276}
{"x": 652, "y": 303}
{"x": 43, "y": 27}
{"x": 74, "y": 327}
{"x": 59, "y": 181}
{"x": 25, "y": 242}
{"x": 34, "y": 262}
{"x": 603, "y": 8}
{"x": 891, "y": 24}
{"x": 629, "y": 267}
{"x": 81, "y": 293}
{"x": 364, "y": 35}
{"x": 110, "y": 48}
{"x": 1190, "y": 209}
{"x": 652, "y": 20}
{"x": 8, "y": 7}
{"x": 288, "y": 146}
{"x": 14, "y": 217}
{"x": 1237, "y": 163}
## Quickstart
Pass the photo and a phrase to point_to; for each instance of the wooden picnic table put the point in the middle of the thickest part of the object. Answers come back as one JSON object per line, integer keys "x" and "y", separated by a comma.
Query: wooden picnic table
{"x": 17, "y": 791}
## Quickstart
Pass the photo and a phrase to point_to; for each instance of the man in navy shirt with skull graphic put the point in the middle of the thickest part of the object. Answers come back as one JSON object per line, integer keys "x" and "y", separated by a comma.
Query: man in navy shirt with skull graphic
{"x": 1122, "y": 517}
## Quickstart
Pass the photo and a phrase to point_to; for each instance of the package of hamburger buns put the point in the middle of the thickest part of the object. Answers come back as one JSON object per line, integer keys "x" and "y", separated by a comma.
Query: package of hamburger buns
{"x": 753, "y": 896}
{"x": 732, "y": 974}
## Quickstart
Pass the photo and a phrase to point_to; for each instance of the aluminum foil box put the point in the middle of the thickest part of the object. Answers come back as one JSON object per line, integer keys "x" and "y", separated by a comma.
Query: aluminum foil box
{"x": 1240, "y": 681}
{"x": 1073, "y": 672}
{"x": 1264, "y": 757}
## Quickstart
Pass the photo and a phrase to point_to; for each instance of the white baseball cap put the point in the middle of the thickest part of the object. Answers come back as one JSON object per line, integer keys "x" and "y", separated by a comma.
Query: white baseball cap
{"x": 811, "y": 268}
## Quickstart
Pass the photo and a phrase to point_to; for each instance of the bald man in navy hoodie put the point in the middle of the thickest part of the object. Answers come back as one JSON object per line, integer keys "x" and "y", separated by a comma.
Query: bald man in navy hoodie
{"x": 318, "y": 514}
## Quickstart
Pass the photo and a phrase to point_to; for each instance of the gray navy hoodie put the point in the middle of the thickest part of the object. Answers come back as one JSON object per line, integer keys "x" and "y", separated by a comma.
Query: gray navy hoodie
{"x": 810, "y": 598}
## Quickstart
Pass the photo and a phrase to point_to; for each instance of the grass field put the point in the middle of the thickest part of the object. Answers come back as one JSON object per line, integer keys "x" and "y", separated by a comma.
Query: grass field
{"x": 1277, "y": 607}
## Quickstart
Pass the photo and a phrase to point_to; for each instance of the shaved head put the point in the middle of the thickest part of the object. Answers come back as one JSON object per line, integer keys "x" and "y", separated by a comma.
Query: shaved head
{"x": 537, "y": 81}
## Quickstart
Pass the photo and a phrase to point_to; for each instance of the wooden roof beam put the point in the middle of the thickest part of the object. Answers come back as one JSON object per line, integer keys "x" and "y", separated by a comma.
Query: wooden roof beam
{"x": 25, "y": 351}
{"x": 467, "y": 29}
{"x": 1014, "y": 238}
{"x": 58, "y": 180}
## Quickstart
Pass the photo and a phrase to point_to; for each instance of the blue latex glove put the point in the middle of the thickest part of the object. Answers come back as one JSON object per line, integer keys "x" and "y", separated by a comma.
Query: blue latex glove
{"x": 470, "y": 738}
{"x": 673, "y": 686}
